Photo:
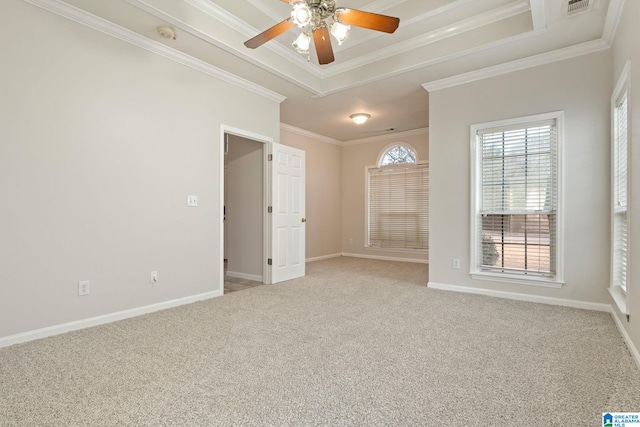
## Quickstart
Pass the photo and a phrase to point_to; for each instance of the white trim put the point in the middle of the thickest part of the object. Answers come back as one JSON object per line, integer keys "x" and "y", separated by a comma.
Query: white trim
{"x": 266, "y": 195}
{"x": 516, "y": 279}
{"x": 92, "y": 21}
{"x": 387, "y": 258}
{"x": 397, "y": 144}
{"x": 309, "y": 134}
{"x": 619, "y": 296}
{"x": 627, "y": 339}
{"x": 538, "y": 16}
{"x": 244, "y": 276}
{"x": 585, "y": 305}
{"x": 321, "y": 258}
{"x": 386, "y": 137}
{"x": 558, "y": 280}
{"x": 613, "y": 19}
{"x": 620, "y": 299}
{"x": 427, "y": 38}
{"x": 518, "y": 65}
{"x": 103, "y": 319}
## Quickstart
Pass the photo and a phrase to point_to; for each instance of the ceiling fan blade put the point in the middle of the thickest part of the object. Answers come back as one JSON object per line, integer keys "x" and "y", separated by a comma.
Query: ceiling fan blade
{"x": 269, "y": 34}
{"x": 323, "y": 45}
{"x": 372, "y": 21}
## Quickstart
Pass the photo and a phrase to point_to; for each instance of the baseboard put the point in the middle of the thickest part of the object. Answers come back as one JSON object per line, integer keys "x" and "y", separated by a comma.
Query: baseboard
{"x": 320, "y": 258}
{"x": 387, "y": 258}
{"x": 523, "y": 297}
{"x": 627, "y": 339}
{"x": 101, "y": 320}
{"x": 244, "y": 276}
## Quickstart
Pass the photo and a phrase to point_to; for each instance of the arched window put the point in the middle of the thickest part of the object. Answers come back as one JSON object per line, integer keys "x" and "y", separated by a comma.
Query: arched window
{"x": 398, "y": 201}
{"x": 397, "y": 154}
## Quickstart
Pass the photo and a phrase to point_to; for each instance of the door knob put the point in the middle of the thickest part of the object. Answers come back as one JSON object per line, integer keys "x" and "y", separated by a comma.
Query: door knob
{"x": 304, "y": 219}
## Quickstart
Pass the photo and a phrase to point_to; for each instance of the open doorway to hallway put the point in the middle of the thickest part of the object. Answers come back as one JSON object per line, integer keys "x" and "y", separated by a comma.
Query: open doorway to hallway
{"x": 243, "y": 213}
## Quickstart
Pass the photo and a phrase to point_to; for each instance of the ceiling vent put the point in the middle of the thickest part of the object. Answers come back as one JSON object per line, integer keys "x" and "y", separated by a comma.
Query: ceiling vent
{"x": 575, "y": 7}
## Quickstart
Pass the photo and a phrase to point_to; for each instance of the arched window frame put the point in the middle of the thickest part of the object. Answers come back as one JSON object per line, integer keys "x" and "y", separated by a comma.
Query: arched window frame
{"x": 392, "y": 241}
{"x": 391, "y": 146}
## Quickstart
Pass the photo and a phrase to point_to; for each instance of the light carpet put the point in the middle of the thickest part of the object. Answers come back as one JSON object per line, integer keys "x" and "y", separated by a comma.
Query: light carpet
{"x": 355, "y": 342}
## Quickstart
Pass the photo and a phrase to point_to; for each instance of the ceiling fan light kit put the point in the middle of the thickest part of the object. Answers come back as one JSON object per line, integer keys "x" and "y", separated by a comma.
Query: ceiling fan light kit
{"x": 318, "y": 19}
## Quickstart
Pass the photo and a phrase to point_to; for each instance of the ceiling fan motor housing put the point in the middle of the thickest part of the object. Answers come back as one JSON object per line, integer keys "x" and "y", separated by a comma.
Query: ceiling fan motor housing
{"x": 321, "y": 10}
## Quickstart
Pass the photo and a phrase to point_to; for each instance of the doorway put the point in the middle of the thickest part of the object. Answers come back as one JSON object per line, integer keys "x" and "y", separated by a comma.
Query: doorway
{"x": 281, "y": 215}
{"x": 243, "y": 212}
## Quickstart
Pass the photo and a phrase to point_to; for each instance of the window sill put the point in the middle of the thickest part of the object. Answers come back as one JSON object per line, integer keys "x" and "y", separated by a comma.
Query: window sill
{"x": 620, "y": 298}
{"x": 515, "y": 279}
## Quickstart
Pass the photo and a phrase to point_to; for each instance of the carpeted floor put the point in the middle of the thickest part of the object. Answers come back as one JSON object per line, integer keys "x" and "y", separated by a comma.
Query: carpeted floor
{"x": 355, "y": 342}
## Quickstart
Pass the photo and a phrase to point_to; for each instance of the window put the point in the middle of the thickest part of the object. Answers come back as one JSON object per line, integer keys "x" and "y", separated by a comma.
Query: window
{"x": 619, "y": 199}
{"x": 398, "y": 204}
{"x": 397, "y": 154}
{"x": 516, "y": 221}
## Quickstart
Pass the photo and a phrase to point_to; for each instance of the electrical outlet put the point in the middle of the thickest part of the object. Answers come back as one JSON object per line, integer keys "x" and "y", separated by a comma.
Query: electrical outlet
{"x": 456, "y": 264}
{"x": 153, "y": 277}
{"x": 84, "y": 287}
{"x": 351, "y": 241}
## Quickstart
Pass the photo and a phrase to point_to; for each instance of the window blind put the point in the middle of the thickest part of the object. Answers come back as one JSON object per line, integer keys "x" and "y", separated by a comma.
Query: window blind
{"x": 517, "y": 218}
{"x": 399, "y": 207}
{"x": 620, "y": 226}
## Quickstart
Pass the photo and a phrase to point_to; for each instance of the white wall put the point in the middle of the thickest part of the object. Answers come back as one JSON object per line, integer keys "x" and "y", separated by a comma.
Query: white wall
{"x": 323, "y": 202}
{"x": 355, "y": 158}
{"x": 100, "y": 144}
{"x": 580, "y": 87}
{"x": 245, "y": 210}
{"x": 625, "y": 48}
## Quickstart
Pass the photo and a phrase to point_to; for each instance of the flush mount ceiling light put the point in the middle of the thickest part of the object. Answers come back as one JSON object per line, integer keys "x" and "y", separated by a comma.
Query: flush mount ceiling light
{"x": 360, "y": 118}
{"x": 319, "y": 18}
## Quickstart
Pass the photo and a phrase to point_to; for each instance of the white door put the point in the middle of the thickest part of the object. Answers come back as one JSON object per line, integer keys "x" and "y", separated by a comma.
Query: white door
{"x": 288, "y": 210}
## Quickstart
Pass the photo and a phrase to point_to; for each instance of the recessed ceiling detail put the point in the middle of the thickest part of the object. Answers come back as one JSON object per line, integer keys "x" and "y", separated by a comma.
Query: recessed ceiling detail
{"x": 441, "y": 41}
{"x": 318, "y": 19}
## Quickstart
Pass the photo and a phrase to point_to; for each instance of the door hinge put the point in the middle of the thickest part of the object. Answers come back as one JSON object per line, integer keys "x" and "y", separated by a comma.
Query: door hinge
{"x": 270, "y": 209}
{"x": 269, "y": 261}
{"x": 270, "y": 157}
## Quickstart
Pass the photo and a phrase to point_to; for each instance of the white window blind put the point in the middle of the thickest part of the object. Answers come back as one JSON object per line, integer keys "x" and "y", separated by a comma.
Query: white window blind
{"x": 517, "y": 209}
{"x": 620, "y": 182}
{"x": 398, "y": 216}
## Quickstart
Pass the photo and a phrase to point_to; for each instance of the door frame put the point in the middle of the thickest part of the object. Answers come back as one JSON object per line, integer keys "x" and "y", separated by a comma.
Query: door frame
{"x": 266, "y": 194}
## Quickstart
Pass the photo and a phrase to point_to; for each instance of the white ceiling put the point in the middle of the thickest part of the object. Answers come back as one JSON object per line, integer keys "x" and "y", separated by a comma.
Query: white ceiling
{"x": 377, "y": 73}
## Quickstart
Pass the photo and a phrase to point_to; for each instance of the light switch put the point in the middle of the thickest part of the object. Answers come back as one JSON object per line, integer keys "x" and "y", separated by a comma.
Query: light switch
{"x": 192, "y": 201}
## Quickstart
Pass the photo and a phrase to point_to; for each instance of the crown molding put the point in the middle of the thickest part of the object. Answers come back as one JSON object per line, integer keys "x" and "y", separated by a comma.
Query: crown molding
{"x": 386, "y": 137}
{"x": 246, "y": 30}
{"x": 92, "y": 21}
{"x": 517, "y": 65}
{"x": 614, "y": 13}
{"x": 378, "y": 138}
{"x": 309, "y": 134}
{"x": 457, "y": 28}
{"x": 538, "y": 16}
{"x": 613, "y": 19}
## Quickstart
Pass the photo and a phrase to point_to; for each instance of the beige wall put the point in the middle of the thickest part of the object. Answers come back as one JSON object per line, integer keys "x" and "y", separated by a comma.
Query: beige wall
{"x": 355, "y": 157}
{"x": 100, "y": 144}
{"x": 581, "y": 87}
{"x": 245, "y": 211}
{"x": 323, "y": 202}
{"x": 626, "y": 47}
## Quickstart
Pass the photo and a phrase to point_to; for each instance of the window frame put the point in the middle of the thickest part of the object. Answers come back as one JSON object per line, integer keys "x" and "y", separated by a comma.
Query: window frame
{"x": 557, "y": 280}
{"x": 367, "y": 242}
{"x": 619, "y": 294}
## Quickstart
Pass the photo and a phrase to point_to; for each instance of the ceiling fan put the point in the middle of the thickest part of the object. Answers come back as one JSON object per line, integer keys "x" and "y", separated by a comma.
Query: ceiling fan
{"x": 318, "y": 18}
